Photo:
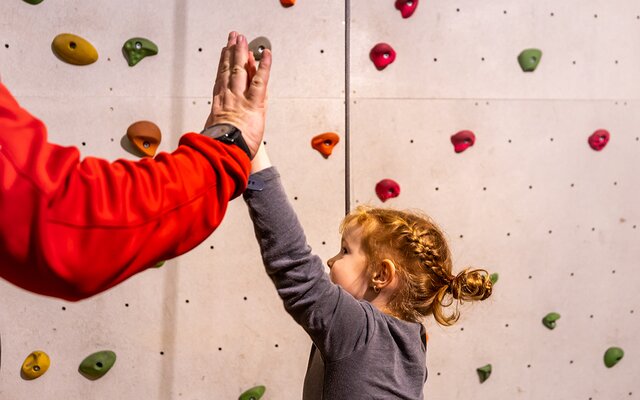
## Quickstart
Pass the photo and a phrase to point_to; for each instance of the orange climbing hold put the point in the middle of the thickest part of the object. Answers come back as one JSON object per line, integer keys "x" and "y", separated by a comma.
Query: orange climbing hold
{"x": 325, "y": 143}
{"x": 287, "y": 3}
{"x": 145, "y": 137}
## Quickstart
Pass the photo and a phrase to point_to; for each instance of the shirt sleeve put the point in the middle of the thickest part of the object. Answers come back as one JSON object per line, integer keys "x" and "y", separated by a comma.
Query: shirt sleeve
{"x": 71, "y": 228}
{"x": 337, "y": 323}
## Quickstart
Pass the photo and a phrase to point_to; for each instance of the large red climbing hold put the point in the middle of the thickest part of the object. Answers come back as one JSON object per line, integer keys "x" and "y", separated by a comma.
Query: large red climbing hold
{"x": 599, "y": 139}
{"x": 406, "y": 7}
{"x": 325, "y": 142}
{"x": 387, "y": 189}
{"x": 463, "y": 140}
{"x": 287, "y": 3}
{"x": 382, "y": 55}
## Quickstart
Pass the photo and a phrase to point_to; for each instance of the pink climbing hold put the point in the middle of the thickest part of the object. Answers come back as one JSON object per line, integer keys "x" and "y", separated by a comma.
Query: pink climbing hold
{"x": 406, "y": 7}
{"x": 599, "y": 139}
{"x": 387, "y": 189}
{"x": 382, "y": 55}
{"x": 463, "y": 140}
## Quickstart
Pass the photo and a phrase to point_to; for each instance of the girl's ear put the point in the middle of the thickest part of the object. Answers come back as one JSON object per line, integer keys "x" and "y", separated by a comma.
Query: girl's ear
{"x": 384, "y": 274}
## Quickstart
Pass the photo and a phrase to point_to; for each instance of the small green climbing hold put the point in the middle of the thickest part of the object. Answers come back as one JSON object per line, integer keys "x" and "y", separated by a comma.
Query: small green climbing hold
{"x": 34, "y": 2}
{"x": 255, "y": 393}
{"x": 612, "y": 356}
{"x": 96, "y": 365}
{"x": 550, "y": 320}
{"x": 158, "y": 265}
{"x": 484, "y": 372}
{"x": 529, "y": 59}
{"x": 494, "y": 277}
{"x": 135, "y": 49}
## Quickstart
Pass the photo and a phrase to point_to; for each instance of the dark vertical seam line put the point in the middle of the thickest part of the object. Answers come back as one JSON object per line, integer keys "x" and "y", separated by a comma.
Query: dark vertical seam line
{"x": 347, "y": 100}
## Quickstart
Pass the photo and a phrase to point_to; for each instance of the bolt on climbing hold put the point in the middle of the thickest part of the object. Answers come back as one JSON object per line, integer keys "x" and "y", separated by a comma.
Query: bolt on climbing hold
{"x": 406, "y": 7}
{"x": 35, "y": 365}
{"x": 287, "y": 3}
{"x": 382, "y": 55}
{"x": 145, "y": 137}
{"x": 34, "y": 2}
{"x": 96, "y": 365}
{"x": 612, "y": 356}
{"x": 484, "y": 372}
{"x": 73, "y": 49}
{"x": 463, "y": 140}
{"x": 550, "y": 320}
{"x": 325, "y": 142}
{"x": 529, "y": 59}
{"x": 135, "y": 49}
{"x": 255, "y": 393}
{"x": 258, "y": 45}
{"x": 494, "y": 278}
{"x": 158, "y": 265}
{"x": 599, "y": 139}
{"x": 387, "y": 189}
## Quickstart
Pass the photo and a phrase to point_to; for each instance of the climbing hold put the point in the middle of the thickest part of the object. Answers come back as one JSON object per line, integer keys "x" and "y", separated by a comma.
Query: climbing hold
{"x": 599, "y": 139}
{"x": 494, "y": 278}
{"x": 96, "y": 365}
{"x": 74, "y": 50}
{"x": 382, "y": 55}
{"x": 406, "y": 7}
{"x": 462, "y": 140}
{"x": 612, "y": 356}
{"x": 35, "y": 365}
{"x": 258, "y": 45}
{"x": 550, "y": 320}
{"x": 287, "y": 3}
{"x": 145, "y": 137}
{"x": 135, "y": 49}
{"x": 255, "y": 393}
{"x": 387, "y": 189}
{"x": 158, "y": 265}
{"x": 325, "y": 143}
{"x": 34, "y": 2}
{"x": 529, "y": 59}
{"x": 484, "y": 372}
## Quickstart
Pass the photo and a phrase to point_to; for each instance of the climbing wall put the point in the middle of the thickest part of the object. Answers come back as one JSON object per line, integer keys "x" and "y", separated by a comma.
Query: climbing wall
{"x": 529, "y": 200}
{"x": 209, "y": 324}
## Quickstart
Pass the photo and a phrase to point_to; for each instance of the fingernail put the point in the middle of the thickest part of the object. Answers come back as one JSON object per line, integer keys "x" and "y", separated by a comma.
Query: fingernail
{"x": 232, "y": 35}
{"x": 242, "y": 38}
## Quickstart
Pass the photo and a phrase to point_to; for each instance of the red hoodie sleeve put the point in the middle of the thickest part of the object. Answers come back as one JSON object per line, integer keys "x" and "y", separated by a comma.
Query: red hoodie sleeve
{"x": 71, "y": 228}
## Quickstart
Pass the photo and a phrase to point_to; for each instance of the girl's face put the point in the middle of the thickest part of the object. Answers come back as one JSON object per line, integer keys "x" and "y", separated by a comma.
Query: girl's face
{"x": 348, "y": 268}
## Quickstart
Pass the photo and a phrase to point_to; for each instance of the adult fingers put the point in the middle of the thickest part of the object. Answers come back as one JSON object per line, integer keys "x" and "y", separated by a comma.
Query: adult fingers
{"x": 240, "y": 56}
{"x": 224, "y": 67}
{"x": 251, "y": 68}
{"x": 258, "y": 90}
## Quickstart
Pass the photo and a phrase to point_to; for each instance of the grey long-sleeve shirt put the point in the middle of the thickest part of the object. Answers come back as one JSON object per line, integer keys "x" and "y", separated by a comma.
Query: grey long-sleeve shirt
{"x": 358, "y": 352}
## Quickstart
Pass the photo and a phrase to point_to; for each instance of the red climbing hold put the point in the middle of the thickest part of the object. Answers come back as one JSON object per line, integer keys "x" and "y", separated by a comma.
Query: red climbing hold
{"x": 387, "y": 189}
{"x": 599, "y": 139}
{"x": 287, "y": 3}
{"x": 325, "y": 143}
{"x": 382, "y": 55}
{"x": 406, "y": 7}
{"x": 462, "y": 140}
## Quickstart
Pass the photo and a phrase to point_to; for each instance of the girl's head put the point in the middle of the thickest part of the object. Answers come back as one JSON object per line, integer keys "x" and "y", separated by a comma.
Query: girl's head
{"x": 405, "y": 256}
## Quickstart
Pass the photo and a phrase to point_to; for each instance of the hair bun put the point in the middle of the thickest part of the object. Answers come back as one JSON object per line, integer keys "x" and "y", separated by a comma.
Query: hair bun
{"x": 470, "y": 285}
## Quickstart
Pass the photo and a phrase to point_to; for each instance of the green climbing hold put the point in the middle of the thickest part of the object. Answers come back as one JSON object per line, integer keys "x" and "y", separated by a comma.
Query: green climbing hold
{"x": 550, "y": 320}
{"x": 255, "y": 393}
{"x": 158, "y": 265}
{"x": 484, "y": 372}
{"x": 34, "y": 2}
{"x": 612, "y": 356}
{"x": 97, "y": 364}
{"x": 529, "y": 59}
{"x": 135, "y": 49}
{"x": 494, "y": 277}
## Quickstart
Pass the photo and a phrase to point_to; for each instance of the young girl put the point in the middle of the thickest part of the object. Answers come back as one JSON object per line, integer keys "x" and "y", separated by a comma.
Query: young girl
{"x": 365, "y": 320}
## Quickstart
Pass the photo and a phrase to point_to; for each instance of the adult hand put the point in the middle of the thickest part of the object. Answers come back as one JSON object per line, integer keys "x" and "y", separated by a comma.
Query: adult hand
{"x": 240, "y": 91}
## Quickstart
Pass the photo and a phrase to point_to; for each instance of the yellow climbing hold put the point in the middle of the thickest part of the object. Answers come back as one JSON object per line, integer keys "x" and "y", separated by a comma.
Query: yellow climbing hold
{"x": 35, "y": 365}
{"x": 74, "y": 50}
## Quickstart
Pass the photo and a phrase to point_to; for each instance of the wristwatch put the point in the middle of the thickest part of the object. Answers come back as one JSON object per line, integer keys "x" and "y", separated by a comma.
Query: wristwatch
{"x": 227, "y": 133}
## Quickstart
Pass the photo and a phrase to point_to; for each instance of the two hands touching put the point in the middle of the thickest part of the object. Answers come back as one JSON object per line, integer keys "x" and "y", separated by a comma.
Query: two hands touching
{"x": 240, "y": 94}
